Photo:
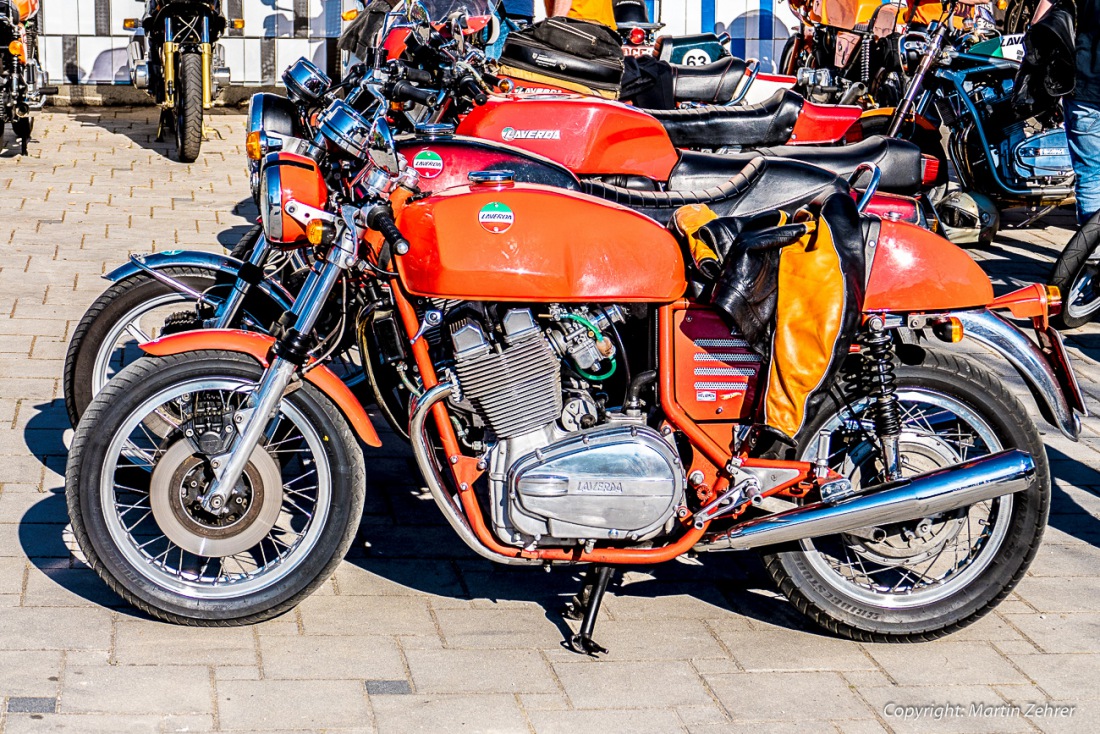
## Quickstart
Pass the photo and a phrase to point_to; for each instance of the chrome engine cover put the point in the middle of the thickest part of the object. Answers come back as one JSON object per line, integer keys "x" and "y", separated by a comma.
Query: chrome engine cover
{"x": 611, "y": 482}
{"x": 1044, "y": 155}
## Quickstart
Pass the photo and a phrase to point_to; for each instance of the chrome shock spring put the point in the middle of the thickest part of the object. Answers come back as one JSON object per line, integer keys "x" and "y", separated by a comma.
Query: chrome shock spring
{"x": 882, "y": 382}
{"x": 865, "y": 59}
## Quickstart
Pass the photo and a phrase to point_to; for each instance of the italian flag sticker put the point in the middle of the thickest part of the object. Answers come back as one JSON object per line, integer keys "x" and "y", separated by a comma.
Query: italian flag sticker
{"x": 428, "y": 164}
{"x": 496, "y": 217}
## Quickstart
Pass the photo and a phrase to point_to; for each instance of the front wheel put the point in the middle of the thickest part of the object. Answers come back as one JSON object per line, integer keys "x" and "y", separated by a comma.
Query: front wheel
{"x": 1077, "y": 274}
{"x": 922, "y": 579}
{"x": 189, "y": 107}
{"x": 141, "y": 460}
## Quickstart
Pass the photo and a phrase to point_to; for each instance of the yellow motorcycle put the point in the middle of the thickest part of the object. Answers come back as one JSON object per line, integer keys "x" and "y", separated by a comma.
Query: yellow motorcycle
{"x": 173, "y": 55}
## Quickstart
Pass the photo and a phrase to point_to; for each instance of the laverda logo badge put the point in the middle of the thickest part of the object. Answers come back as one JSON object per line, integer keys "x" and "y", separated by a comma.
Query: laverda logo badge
{"x": 600, "y": 487}
{"x": 428, "y": 164}
{"x": 496, "y": 217}
{"x": 509, "y": 134}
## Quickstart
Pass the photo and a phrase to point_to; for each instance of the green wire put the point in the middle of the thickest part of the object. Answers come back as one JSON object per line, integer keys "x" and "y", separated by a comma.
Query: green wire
{"x": 591, "y": 327}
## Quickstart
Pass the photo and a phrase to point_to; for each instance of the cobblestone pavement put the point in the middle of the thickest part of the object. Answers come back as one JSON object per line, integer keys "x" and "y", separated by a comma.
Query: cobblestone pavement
{"x": 414, "y": 633}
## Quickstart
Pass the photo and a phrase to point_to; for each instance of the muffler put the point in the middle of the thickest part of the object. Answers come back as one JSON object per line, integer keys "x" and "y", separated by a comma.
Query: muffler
{"x": 908, "y": 499}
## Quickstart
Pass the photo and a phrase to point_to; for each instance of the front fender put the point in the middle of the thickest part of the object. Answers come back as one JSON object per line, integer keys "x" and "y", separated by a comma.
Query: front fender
{"x": 229, "y": 266}
{"x": 258, "y": 346}
{"x": 1034, "y": 367}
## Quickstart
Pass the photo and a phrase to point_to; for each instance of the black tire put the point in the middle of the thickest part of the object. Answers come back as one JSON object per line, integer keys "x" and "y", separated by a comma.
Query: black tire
{"x": 1018, "y": 16}
{"x": 243, "y": 249}
{"x": 118, "y": 301}
{"x": 1070, "y": 272}
{"x": 853, "y": 617}
{"x": 104, "y": 418}
{"x": 189, "y": 107}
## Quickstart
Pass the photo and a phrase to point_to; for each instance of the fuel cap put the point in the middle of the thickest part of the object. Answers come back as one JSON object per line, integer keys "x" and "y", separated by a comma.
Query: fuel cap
{"x": 433, "y": 130}
{"x": 491, "y": 178}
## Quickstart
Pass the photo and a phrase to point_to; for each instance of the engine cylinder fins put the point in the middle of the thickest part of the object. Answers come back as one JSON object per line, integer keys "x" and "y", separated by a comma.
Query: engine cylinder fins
{"x": 517, "y": 389}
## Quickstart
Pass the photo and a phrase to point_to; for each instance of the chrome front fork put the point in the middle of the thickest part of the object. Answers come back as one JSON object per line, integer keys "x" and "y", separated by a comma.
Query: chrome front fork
{"x": 227, "y": 314}
{"x": 252, "y": 422}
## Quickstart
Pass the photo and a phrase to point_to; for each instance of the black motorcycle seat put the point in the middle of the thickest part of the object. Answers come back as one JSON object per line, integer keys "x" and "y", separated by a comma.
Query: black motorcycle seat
{"x": 711, "y": 83}
{"x": 898, "y": 160}
{"x": 767, "y": 123}
{"x": 763, "y": 184}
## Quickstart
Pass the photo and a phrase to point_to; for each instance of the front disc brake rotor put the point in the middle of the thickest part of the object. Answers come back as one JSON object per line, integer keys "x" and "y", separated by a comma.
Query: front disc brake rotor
{"x": 180, "y": 479}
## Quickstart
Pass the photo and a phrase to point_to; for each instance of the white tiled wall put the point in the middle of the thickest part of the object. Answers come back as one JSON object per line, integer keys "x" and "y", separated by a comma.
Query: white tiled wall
{"x": 83, "y": 41}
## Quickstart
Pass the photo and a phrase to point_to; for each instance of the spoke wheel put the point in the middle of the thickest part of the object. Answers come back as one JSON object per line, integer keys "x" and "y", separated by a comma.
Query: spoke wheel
{"x": 141, "y": 463}
{"x": 926, "y": 577}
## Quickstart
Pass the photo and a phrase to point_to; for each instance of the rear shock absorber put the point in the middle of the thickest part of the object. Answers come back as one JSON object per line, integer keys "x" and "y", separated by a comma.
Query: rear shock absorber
{"x": 882, "y": 381}
{"x": 865, "y": 59}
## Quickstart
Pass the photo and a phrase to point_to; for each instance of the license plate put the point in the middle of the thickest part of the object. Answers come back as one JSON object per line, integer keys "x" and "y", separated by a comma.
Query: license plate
{"x": 638, "y": 50}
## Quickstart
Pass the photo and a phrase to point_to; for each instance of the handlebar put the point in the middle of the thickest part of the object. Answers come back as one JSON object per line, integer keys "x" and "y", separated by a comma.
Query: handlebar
{"x": 469, "y": 87}
{"x": 403, "y": 91}
{"x": 380, "y": 218}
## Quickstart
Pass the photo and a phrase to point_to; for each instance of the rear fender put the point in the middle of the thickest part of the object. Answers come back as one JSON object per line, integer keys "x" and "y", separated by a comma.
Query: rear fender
{"x": 258, "y": 346}
{"x": 823, "y": 123}
{"x": 223, "y": 264}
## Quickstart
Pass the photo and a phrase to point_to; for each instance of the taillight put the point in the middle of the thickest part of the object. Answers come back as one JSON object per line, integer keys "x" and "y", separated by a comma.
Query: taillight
{"x": 893, "y": 207}
{"x": 637, "y": 36}
{"x": 929, "y": 170}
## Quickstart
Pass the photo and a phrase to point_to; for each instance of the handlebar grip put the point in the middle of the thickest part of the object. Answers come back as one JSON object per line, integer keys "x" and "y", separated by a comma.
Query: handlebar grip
{"x": 380, "y": 218}
{"x": 406, "y": 91}
{"x": 420, "y": 76}
{"x": 473, "y": 90}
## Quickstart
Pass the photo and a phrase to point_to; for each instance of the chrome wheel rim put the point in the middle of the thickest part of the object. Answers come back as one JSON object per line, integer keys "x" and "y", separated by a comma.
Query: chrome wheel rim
{"x": 948, "y": 551}
{"x": 1083, "y": 299}
{"x": 150, "y": 433}
{"x": 115, "y": 351}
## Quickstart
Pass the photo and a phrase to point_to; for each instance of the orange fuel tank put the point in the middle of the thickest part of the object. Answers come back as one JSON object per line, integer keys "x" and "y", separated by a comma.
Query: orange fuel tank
{"x": 27, "y": 9}
{"x": 917, "y": 270}
{"x": 532, "y": 243}
{"x": 587, "y": 135}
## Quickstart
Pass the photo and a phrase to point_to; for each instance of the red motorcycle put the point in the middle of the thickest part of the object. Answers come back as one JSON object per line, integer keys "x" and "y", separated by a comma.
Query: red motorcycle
{"x": 590, "y": 388}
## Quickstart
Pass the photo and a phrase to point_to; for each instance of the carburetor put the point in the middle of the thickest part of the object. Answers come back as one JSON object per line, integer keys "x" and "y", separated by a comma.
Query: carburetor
{"x": 578, "y": 335}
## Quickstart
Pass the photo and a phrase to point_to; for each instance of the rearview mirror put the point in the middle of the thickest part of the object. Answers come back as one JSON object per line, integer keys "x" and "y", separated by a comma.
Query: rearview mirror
{"x": 382, "y": 148}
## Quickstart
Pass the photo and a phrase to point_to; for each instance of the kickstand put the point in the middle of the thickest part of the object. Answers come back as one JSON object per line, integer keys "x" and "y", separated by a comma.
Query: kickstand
{"x": 1036, "y": 215}
{"x": 166, "y": 124}
{"x": 587, "y": 602}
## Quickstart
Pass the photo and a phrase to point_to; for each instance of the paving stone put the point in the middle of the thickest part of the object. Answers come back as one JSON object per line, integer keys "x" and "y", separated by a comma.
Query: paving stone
{"x": 571, "y": 722}
{"x": 1057, "y": 594}
{"x": 931, "y": 663}
{"x": 68, "y": 587}
{"x": 509, "y": 627}
{"x": 100, "y": 724}
{"x": 33, "y": 673}
{"x": 803, "y": 696}
{"x": 1060, "y": 632}
{"x": 144, "y": 642}
{"x": 1064, "y": 676}
{"x": 338, "y": 615}
{"x": 320, "y": 657}
{"x": 298, "y": 704}
{"x": 631, "y": 684}
{"x": 136, "y": 689}
{"x": 409, "y": 714}
{"x": 32, "y": 705}
{"x": 474, "y": 671}
{"x": 75, "y": 628}
{"x": 397, "y": 577}
{"x": 780, "y": 649}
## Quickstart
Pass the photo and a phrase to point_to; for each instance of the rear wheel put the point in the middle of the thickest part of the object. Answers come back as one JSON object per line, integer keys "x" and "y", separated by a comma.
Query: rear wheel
{"x": 189, "y": 107}
{"x": 921, "y": 579}
{"x": 141, "y": 459}
{"x": 1077, "y": 274}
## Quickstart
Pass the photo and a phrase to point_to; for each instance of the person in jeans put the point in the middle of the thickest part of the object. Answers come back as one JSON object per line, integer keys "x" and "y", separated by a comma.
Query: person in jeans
{"x": 1082, "y": 108}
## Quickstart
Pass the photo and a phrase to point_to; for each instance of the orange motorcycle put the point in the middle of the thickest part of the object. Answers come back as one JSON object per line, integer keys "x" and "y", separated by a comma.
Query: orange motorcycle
{"x": 590, "y": 387}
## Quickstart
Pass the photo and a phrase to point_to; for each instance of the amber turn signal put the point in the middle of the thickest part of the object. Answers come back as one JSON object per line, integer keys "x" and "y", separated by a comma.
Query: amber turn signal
{"x": 237, "y": 24}
{"x": 1054, "y": 300}
{"x": 131, "y": 23}
{"x": 319, "y": 231}
{"x": 949, "y": 330}
{"x": 350, "y": 14}
{"x": 253, "y": 148}
{"x": 1002, "y": 4}
{"x": 15, "y": 48}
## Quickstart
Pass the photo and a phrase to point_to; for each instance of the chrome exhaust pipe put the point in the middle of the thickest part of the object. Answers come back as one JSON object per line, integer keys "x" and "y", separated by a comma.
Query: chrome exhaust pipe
{"x": 944, "y": 490}
{"x": 419, "y": 410}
